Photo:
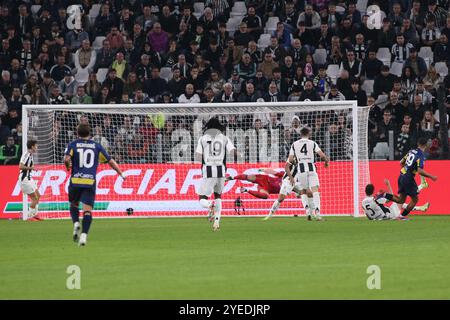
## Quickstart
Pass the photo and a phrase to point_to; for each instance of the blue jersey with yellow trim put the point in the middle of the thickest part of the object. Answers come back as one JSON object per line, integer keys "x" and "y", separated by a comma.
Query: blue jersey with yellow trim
{"x": 85, "y": 155}
{"x": 414, "y": 160}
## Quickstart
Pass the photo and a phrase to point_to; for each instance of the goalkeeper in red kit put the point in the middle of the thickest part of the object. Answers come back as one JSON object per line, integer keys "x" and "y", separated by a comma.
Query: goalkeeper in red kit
{"x": 267, "y": 183}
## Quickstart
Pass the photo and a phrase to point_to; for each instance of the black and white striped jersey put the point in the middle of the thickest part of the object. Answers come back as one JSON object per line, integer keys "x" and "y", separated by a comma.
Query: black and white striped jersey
{"x": 293, "y": 168}
{"x": 27, "y": 160}
{"x": 304, "y": 151}
{"x": 214, "y": 153}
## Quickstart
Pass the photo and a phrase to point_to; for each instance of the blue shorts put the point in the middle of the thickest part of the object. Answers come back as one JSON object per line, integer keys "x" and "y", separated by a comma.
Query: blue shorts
{"x": 82, "y": 194}
{"x": 407, "y": 185}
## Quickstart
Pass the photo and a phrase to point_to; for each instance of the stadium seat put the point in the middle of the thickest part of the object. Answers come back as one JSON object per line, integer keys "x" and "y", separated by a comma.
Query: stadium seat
{"x": 333, "y": 72}
{"x": 95, "y": 10}
{"x": 384, "y": 55}
{"x": 82, "y": 76}
{"x": 367, "y": 86}
{"x": 361, "y": 6}
{"x": 340, "y": 10}
{"x": 382, "y": 100}
{"x": 320, "y": 56}
{"x": 264, "y": 41}
{"x": 101, "y": 74}
{"x": 271, "y": 24}
{"x": 233, "y": 24}
{"x": 98, "y": 42}
{"x": 427, "y": 54}
{"x": 381, "y": 151}
{"x": 35, "y": 9}
{"x": 396, "y": 68}
{"x": 239, "y": 7}
{"x": 441, "y": 68}
{"x": 166, "y": 73}
{"x": 197, "y": 15}
{"x": 199, "y": 7}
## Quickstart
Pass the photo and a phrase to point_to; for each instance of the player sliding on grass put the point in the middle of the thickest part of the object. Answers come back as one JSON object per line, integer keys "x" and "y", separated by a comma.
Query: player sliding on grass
{"x": 303, "y": 151}
{"x": 374, "y": 208}
{"x": 83, "y": 156}
{"x": 28, "y": 185}
{"x": 412, "y": 163}
{"x": 212, "y": 151}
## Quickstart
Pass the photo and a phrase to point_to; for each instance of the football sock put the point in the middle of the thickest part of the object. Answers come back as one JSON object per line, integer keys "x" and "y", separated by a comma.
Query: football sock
{"x": 275, "y": 206}
{"x": 87, "y": 220}
{"x": 74, "y": 214}
{"x": 218, "y": 209}
{"x": 305, "y": 203}
{"x": 416, "y": 208}
{"x": 205, "y": 203}
{"x": 316, "y": 199}
{"x": 258, "y": 194}
{"x": 311, "y": 205}
{"x": 405, "y": 212}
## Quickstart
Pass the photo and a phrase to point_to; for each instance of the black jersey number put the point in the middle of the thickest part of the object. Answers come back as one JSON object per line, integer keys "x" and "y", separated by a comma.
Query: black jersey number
{"x": 215, "y": 149}
{"x": 304, "y": 150}
{"x": 370, "y": 209}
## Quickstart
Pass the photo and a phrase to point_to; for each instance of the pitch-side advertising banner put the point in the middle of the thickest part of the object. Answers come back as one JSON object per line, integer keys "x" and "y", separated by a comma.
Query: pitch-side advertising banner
{"x": 170, "y": 190}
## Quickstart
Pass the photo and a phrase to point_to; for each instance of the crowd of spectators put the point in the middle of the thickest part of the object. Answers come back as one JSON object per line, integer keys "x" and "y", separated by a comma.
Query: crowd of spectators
{"x": 165, "y": 51}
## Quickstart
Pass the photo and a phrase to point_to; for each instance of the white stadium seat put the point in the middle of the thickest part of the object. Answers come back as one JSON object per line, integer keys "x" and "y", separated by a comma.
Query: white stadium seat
{"x": 384, "y": 55}
{"x": 101, "y": 74}
{"x": 441, "y": 68}
{"x": 333, "y": 72}
{"x": 361, "y": 6}
{"x": 239, "y": 6}
{"x": 166, "y": 73}
{"x": 98, "y": 42}
{"x": 381, "y": 151}
{"x": 427, "y": 54}
{"x": 233, "y": 24}
{"x": 35, "y": 9}
{"x": 82, "y": 76}
{"x": 367, "y": 86}
{"x": 264, "y": 41}
{"x": 396, "y": 68}
{"x": 320, "y": 56}
{"x": 199, "y": 7}
{"x": 271, "y": 24}
{"x": 95, "y": 10}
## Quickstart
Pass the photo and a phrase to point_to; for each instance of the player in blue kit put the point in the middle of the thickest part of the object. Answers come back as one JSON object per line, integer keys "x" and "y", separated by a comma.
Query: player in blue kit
{"x": 83, "y": 157}
{"x": 412, "y": 163}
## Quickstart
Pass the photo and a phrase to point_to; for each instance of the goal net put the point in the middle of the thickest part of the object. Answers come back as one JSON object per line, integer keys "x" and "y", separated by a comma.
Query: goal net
{"x": 155, "y": 147}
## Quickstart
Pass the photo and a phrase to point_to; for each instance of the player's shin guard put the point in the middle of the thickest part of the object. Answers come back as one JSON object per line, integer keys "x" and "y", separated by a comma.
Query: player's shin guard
{"x": 218, "y": 209}
{"x": 305, "y": 203}
{"x": 74, "y": 214}
{"x": 205, "y": 203}
{"x": 316, "y": 199}
{"x": 87, "y": 220}
{"x": 275, "y": 207}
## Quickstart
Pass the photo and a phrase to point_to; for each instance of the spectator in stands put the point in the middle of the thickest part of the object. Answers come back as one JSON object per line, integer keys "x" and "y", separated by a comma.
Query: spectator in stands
{"x": 114, "y": 84}
{"x": 310, "y": 18}
{"x": 246, "y": 68}
{"x": 5, "y": 131}
{"x": 132, "y": 84}
{"x": 347, "y": 31}
{"x": 189, "y": 96}
{"x": 104, "y": 21}
{"x": 104, "y": 96}
{"x": 386, "y": 35}
{"x": 430, "y": 34}
{"x": 384, "y": 82}
{"x": 17, "y": 73}
{"x": 429, "y": 127}
{"x": 130, "y": 52}
{"x": 344, "y": 83}
{"x": 416, "y": 63}
{"x": 400, "y": 50}
{"x": 208, "y": 95}
{"x": 93, "y": 87}
{"x": 417, "y": 110}
{"x": 81, "y": 97}
{"x": 426, "y": 97}
{"x": 68, "y": 86}
{"x": 237, "y": 82}
{"x": 334, "y": 94}
{"x": 396, "y": 108}
{"x": 105, "y": 56}
{"x": 3, "y": 105}
{"x": 121, "y": 66}
{"x": 404, "y": 142}
{"x": 297, "y": 51}
{"x": 396, "y": 16}
{"x": 254, "y": 22}
{"x": 268, "y": 65}
{"x": 436, "y": 13}
{"x": 183, "y": 66}
{"x": 233, "y": 53}
{"x": 242, "y": 36}
{"x": 260, "y": 82}
{"x": 85, "y": 57}
{"x": 284, "y": 37}
{"x": 155, "y": 85}
{"x": 249, "y": 95}
{"x": 280, "y": 82}
{"x": 17, "y": 100}
{"x": 309, "y": 93}
{"x": 220, "y": 9}
{"x": 59, "y": 70}
{"x": 442, "y": 49}
{"x": 356, "y": 93}
{"x": 141, "y": 97}
{"x": 335, "y": 51}
{"x": 273, "y": 95}
{"x": 360, "y": 47}
{"x": 9, "y": 153}
{"x": 433, "y": 78}
{"x": 227, "y": 95}
{"x": 371, "y": 67}
{"x": 158, "y": 38}
{"x": 55, "y": 96}
{"x": 409, "y": 32}
{"x": 126, "y": 21}
{"x": 74, "y": 39}
{"x": 352, "y": 65}
{"x": 115, "y": 38}
{"x": 322, "y": 81}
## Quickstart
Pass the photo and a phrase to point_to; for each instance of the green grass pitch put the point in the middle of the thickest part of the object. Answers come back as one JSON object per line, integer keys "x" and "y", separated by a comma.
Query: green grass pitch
{"x": 284, "y": 258}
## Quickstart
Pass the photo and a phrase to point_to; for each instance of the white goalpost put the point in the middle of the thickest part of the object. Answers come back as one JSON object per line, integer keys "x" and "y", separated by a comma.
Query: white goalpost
{"x": 155, "y": 146}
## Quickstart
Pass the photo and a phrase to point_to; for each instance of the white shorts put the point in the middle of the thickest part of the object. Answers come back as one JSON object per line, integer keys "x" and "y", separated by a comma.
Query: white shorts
{"x": 210, "y": 185}
{"x": 28, "y": 186}
{"x": 394, "y": 212}
{"x": 286, "y": 187}
{"x": 308, "y": 180}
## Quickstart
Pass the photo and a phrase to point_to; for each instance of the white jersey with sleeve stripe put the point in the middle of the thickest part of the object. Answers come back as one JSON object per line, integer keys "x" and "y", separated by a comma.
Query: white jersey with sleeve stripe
{"x": 214, "y": 153}
{"x": 304, "y": 151}
{"x": 375, "y": 210}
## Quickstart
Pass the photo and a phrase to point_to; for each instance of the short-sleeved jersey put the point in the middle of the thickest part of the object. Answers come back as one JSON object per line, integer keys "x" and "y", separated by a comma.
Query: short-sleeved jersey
{"x": 293, "y": 167}
{"x": 86, "y": 156}
{"x": 27, "y": 160}
{"x": 374, "y": 208}
{"x": 414, "y": 160}
{"x": 304, "y": 151}
{"x": 214, "y": 154}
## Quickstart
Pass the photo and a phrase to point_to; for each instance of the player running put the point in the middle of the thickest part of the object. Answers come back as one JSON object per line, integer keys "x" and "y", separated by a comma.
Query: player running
{"x": 374, "y": 208}
{"x": 83, "y": 157}
{"x": 412, "y": 163}
{"x": 28, "y": 185}
{"x": 303, "y": 151}
{"x": 212, "y": 151}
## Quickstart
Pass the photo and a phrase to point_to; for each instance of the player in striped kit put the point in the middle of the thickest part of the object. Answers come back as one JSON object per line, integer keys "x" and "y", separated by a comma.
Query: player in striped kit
{"x": 212, "y": 151}
{"x": 28, "y": 185}
{"x": 303, "y": 151}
